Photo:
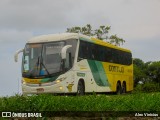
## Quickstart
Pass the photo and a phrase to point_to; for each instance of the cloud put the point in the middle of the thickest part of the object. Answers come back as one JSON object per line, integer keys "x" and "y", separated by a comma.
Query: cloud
{"x": 37, "y": 14}
{"x": 13, "y": 36}
{"x": 137, "y": 19}
{"x": 131, "y": 19}
{"x": 10, "y": 76}
{"x": 145, "y": 49}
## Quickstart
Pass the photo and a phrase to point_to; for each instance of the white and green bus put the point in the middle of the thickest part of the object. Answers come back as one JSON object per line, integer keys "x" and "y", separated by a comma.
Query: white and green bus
{"x": 74, "y": 63}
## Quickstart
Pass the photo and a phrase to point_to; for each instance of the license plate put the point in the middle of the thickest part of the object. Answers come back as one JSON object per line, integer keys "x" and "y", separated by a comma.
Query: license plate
{"x": 40, "y": 90}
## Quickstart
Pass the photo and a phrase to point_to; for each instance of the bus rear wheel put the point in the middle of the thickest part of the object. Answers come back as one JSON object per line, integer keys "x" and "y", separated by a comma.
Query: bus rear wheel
{"x": 123, "y": 88}
{"x": 80, "y": 89}
{"x": 118, "y": 90}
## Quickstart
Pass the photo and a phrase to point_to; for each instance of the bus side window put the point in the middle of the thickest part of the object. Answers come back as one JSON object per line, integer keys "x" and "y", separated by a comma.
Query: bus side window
{"x": 97, "y": 52}
{"x": 80, "y": 52}
{"x": 93, "y": 52}
{"x": 85, "y": 51}
{"x": 108, "y": 55}
{"x": 101, "y": 53}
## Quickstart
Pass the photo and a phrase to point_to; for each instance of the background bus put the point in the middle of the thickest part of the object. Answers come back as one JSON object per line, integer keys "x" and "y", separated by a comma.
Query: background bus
{"x": 74, "y": 63}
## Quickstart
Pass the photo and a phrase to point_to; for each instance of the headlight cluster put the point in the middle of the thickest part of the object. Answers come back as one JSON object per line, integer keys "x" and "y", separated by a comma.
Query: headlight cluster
{"x": 59, "y": 80}
{"x": 23, "y": 81}
{"x": 44, "y": 84}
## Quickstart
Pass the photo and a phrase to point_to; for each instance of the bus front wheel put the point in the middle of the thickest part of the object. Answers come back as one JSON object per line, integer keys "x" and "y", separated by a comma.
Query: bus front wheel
{"x": 80, "y": 89}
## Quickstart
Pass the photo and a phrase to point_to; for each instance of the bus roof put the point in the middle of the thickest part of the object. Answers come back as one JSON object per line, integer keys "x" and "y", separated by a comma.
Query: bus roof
{"x": 55, "y": 37}
{"x": 66, "y": 36}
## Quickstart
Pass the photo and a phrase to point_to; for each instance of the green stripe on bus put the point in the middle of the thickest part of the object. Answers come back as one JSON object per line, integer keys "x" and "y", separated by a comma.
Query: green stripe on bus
{"x": 98, "y": 73}
{"x": 88, "y": 40}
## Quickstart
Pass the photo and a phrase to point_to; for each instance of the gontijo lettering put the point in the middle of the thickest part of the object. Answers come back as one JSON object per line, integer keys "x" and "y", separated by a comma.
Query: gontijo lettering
{"x": 114, "y": 68}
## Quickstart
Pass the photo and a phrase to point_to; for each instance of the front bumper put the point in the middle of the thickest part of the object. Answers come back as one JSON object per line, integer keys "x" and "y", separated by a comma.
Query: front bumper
{"x": 56, "y": 88}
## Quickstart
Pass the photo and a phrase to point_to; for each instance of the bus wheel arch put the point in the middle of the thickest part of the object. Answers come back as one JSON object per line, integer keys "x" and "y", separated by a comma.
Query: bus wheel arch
{"x": 81, "y": 87}
{"x": 124, "y": 87}
{"x": 118, "y": 88}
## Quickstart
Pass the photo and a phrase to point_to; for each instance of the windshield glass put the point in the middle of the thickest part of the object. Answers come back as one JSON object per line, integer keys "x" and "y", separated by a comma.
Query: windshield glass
{"x": 42, "y": 59}
{"x": 31, "y": 59}
{"x": 52, "y": 57}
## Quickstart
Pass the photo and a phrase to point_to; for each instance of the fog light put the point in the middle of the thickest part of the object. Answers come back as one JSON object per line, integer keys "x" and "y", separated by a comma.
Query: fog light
{"x": 60, "y": 87}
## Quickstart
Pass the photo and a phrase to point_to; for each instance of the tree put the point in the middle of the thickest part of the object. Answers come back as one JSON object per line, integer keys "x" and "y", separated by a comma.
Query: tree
{"x": 139, "y": 71}
{"x": 116, "y": 40}
{"x": 139, "y": 75}
{"x": 146, "y": 72}
{"x": 100, "y": 33}
{"x": 138, "y": 62}
{"x": 154, "y": 71}
{"x": 86, "y": 30}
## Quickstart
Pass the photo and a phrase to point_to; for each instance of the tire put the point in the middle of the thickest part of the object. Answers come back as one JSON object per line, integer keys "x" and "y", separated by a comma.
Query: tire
{"x": 118, "y": 90}
{"x": 123, "y": 88}
{"x": 80, "y": 89}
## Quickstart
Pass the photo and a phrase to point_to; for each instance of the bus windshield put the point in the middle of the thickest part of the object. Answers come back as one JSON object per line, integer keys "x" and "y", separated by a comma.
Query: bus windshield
{"x": 42, "y": 59}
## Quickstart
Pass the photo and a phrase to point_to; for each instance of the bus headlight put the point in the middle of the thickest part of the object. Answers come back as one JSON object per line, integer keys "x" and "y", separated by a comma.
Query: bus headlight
{"x": 59, "y": 80}
{"x": 23, "y": 82}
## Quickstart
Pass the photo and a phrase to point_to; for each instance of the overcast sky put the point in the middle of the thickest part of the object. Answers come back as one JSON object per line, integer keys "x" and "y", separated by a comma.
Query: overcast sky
{"x": 136, "y": 21}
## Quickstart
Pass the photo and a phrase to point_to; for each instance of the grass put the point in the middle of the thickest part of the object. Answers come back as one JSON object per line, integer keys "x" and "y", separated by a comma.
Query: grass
{"x": 129, "y": 102}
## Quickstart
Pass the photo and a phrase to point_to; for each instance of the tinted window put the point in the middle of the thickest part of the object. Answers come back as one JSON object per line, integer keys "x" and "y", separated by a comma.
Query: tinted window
{"x": 101, "y": 53}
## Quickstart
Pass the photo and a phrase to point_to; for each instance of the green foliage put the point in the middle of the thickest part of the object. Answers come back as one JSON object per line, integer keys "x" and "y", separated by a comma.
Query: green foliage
{"x": 154, "y": 71}
{"x": 138, "y": 62}
{"x": 147, "y": 87}
{"x": 138, "y": 88}
{"x": 139, "y": 71}
{"x": 100, "y": 33}
{"x": 151, "y": 87}
{"x": 146, "y": 72}
{"x": 139, "y": 75}
{"x": 116, "y": 40}
{"x": 130, "y": 102}
{"x": 86, "y": 30}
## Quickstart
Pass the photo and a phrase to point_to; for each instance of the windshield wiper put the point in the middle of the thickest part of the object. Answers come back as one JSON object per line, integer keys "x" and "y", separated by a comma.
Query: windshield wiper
{"x": 41, "y": 63}
{"x": 34, "y": 71}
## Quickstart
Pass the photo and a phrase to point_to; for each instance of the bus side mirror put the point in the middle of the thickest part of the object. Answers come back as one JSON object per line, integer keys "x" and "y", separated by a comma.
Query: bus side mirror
{"x": 64, "y": 51}
{"x": 16, "y": 54}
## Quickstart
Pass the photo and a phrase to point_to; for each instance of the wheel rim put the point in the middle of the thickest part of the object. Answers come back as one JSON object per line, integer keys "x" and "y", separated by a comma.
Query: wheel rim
{"x": 123, "y": 88}
{"x": 80, "y": 90}
{"x": 118, "y": 89}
